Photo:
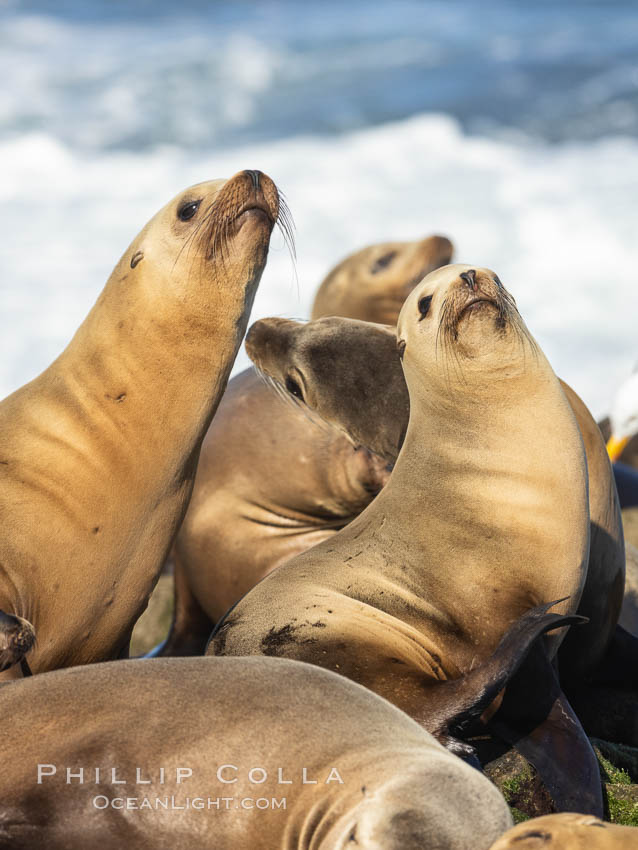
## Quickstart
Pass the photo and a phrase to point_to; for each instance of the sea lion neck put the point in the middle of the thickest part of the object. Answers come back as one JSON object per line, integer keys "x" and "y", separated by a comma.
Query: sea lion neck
{"x": 453, "y": 442}
{"x": 126, "y": 349}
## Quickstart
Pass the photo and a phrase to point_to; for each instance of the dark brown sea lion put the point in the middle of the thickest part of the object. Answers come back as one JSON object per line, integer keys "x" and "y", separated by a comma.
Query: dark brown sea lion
{"x": 467, "y": 523}
{"x": 271, "y": 482}
{"x": 373, "y": 283}
{"x": 99, "y": 452}
{"x": 228, "y": 754}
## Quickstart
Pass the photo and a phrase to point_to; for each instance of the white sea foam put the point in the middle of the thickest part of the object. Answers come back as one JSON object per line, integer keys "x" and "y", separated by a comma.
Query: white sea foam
{"x": 558, "y": 224}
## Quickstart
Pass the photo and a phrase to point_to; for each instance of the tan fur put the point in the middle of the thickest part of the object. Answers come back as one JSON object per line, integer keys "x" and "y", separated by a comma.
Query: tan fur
{"x": 271, "y": 482}
{"x": 324, "y": 353}
{"x": 568, "y": 831}
{"x": 400, "y": 790}
{"x": 373, "y": 283}
{"x": 99, "y": 452}
{"x": 469, "y": 532}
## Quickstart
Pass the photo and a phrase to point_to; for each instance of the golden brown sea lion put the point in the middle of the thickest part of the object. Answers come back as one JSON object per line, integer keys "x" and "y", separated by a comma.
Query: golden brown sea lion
{"x": 469, "y": 533}
{"x": 330, "y": 367}
{"x": 568, "y": 831}
{"x": 252, "y": 753}
{"x": 271, "y": 483}
{"x": 99, "y": 452}
{"x": 373, "y": 283}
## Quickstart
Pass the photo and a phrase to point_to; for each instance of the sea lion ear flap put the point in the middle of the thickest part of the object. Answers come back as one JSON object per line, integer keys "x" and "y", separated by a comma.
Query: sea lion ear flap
{"x": 460, "y": 702}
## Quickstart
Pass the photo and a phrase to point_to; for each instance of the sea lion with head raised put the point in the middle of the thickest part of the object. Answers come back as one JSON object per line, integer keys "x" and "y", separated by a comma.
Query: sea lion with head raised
{"x": 271, "y": 482}
{"x": 99, "y": 452}
{"x": 568, "y": 831}
{"x": 253, "y": 753}
{"x": 468, "y": 523}
{"x": 348, "y": 373}
{"x": 373, "y": 283}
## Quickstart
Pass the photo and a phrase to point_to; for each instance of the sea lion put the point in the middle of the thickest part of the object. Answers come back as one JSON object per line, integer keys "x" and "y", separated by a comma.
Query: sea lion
{"x": 373, "y": 283}
{"x": 467, "y": 523}
{"x": 99, "y": 452}
{"x": 567, "y": 831}
{"x": 271, "y": 482}
{"x": 349, "y": 374}
{"x": 253, "y": 753}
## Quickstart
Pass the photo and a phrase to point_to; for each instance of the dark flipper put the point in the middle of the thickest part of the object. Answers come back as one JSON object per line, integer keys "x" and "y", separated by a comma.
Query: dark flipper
{"x": 545, "y": 730}
{"x": 191, "y": 626}
{"x": 534, "y": 716}
{"x": 17, "y": 637}
{"x": 456, "y": 705}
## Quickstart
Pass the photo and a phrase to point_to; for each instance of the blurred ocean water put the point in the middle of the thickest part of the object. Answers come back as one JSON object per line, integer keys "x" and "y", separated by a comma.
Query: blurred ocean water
{"x": 512, "y": 127}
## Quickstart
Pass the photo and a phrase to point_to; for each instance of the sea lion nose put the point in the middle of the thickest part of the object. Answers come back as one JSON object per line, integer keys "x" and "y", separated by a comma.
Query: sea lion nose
{"x": 470, "y": 278}
{"x": 268, "y": 340}
{"x": 255, "y": 176}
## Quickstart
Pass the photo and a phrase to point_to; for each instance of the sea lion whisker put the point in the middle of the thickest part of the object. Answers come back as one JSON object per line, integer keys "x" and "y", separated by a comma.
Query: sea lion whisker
{"x": 286, "y": 225}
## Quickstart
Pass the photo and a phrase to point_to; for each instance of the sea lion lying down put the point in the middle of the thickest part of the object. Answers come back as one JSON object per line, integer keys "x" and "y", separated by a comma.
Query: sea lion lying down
{"x": 228, "y": 754}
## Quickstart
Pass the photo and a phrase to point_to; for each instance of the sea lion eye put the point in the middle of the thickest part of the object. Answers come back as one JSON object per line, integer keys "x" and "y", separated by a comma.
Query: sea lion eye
{"x": 383, "y": 262}
{"x": 424, "y": 306}
{"x": 293, "y": 388}
{"x": 188, "y": 210}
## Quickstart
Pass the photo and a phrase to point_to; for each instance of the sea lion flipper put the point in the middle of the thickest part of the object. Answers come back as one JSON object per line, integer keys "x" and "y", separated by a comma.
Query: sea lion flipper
{"x": 460, "y": 702}
{"x": 17, "y": 637}
{"x": 547, "y": 732}
{"x": 534, "y": 716}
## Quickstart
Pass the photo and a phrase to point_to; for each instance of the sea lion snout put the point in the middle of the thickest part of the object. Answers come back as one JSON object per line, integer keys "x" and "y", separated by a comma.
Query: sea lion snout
{"x": 254, "y": 193}
{"x": 479, "y": 291}
{"x": 255, "y": 176}
{"x": 268, "y": 342}
{"x": 470, "y": 278}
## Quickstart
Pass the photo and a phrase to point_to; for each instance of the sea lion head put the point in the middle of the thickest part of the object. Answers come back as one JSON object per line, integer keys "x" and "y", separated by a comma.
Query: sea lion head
{"x": 458, "y": 323}
{"x": 345, "y": 370}
{"x": 212, "y": 236}
{"x": 419, "y": 807}
{"x": 567, "y": 831}
{"x": 373, "y": 283}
